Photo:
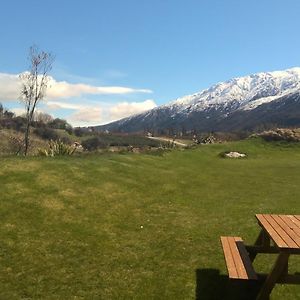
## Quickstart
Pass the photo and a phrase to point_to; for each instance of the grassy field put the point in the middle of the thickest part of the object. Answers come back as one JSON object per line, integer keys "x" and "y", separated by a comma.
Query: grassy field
{"x": 139, "y": 226}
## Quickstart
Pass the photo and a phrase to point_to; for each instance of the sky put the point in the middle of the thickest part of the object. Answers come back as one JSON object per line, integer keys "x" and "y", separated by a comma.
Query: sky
{"x": 114, "y": 58}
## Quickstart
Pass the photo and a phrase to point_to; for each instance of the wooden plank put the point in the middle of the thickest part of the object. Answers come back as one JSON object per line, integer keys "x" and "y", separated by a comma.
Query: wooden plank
{"x": 297, "y": 217}
{"x": 283, "y": 230}
{"x": 293, "y": 223}
{"x": 293, "y": 226}
{"x": 293, "y": 231}
{"x": 237, "y": 259}
{"x": 259, "y": 249}
{"x": 251, "y": 274}
{"x": 271, "y": 231}
{"x": 295, "y": 220}
{"x": 232, "y": 272}
{"x": 289, "y": 279}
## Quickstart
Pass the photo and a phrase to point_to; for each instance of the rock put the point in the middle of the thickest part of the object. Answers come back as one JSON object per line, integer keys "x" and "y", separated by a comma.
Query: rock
{"x": 235, "y": 155}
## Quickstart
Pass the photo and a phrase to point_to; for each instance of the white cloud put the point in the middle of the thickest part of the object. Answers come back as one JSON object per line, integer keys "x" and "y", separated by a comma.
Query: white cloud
{"x": 21, "y": 111}
{"x": 92, "y": 113}
{"x": 88, "y": 115}
{"x": 10, "y": 89}
{"x": 125, "y": 109}
{"x": 64, "y": 89}
{"x": 84, "y": 111}
{"x": 56, "y": 105}
{"x": 18, "y": 111}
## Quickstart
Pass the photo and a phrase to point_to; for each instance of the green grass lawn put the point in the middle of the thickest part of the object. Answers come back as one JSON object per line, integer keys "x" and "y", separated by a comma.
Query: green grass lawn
{"x": 139, "y": 226}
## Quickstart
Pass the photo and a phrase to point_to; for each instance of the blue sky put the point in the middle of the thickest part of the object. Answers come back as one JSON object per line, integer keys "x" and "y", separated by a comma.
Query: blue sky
{"x": 159, "y": 50}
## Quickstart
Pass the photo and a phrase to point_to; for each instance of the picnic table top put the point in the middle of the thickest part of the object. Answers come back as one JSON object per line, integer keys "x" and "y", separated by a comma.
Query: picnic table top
{"x": 284, "y": 230}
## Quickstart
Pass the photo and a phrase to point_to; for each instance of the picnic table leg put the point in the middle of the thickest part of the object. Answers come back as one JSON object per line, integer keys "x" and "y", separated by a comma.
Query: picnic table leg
{"x": 262, "y": 240}
{"x": 277, "y": 271}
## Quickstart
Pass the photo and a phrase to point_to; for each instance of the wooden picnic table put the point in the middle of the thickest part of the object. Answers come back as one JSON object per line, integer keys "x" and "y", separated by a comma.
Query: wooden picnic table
{"x": 279, "y": 234}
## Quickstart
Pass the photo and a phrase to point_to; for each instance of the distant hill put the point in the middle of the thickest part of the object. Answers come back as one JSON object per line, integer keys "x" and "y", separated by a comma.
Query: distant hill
{"x": 246, "y": 103}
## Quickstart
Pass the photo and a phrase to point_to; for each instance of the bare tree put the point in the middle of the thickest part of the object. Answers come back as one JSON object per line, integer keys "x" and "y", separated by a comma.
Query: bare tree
{"x": 42, "y": 117}
{"x": 34, "y": 85}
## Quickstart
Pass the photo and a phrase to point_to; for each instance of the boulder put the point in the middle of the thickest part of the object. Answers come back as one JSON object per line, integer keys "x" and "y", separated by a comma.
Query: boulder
{"x": 234, "y": 154}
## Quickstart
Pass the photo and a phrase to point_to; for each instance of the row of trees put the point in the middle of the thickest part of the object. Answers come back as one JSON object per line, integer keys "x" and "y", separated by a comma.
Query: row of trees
{"x": 8, "y": 119}
{"x": 42, "y": 125}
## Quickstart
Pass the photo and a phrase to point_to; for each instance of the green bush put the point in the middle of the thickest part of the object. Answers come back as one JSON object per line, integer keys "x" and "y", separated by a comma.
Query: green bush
{"x": 57, "y": 148}
{"x": 93, "y": 143}
{"x": 46, "y": 133}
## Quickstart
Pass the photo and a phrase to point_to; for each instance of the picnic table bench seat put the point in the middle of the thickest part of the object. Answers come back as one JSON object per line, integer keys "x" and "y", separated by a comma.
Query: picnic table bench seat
{"x": 238, "y": 262}
{"x": 279, "y": 234}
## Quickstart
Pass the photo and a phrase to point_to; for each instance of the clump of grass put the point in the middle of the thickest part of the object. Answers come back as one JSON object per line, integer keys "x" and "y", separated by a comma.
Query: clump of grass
{"x": 57, "y": 148}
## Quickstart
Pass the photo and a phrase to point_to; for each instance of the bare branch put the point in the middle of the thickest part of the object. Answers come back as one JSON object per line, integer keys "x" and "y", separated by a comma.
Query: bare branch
{"x": 34, "y": 84}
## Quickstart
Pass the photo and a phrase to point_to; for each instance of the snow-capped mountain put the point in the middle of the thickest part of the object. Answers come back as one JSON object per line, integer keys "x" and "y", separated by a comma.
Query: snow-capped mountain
{"x": 245, "y": 92}
{"x": 213, "y": 108}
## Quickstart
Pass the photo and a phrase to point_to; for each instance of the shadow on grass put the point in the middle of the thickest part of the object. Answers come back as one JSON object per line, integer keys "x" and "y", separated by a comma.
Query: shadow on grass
{"x": 210, "y": 285}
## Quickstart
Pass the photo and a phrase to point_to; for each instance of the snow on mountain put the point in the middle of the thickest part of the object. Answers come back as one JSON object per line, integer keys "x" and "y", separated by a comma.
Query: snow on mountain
{"x": 244, "y": 92}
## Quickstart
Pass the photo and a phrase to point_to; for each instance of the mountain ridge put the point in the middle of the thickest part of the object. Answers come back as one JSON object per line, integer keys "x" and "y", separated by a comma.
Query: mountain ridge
{"x": 206, "y": 109}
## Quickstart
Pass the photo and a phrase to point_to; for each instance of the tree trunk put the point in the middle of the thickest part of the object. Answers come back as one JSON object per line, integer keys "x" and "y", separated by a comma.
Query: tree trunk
{"x": 26, "y": 141}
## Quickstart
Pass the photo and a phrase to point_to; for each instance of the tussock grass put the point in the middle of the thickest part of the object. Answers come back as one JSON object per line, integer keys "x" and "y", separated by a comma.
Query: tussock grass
{"x": 138, "y": 226}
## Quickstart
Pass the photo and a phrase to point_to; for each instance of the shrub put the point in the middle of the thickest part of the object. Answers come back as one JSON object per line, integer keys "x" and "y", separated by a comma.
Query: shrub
{"x": 280, "y": 134}
{"x": 46, "y": 133}
{"x": 16, "y": 144}
{"x": 78, "y": 131}
{"x": 17, "y": 123}
{"x": 57, "y": 148}
{"x": 93, "y": 143}
{"x": 59, "y": 124}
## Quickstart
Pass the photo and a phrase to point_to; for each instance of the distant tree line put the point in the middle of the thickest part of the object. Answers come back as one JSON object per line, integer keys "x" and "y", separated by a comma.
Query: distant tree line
{"x": 43, "y": 124}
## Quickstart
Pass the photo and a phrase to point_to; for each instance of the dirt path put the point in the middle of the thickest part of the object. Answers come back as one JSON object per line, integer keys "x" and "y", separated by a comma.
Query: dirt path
{"x": 167, "y": 140}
